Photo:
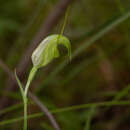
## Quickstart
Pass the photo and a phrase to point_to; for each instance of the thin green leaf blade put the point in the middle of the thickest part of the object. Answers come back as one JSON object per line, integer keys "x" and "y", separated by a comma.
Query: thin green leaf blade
{"x": 19, "y": 84}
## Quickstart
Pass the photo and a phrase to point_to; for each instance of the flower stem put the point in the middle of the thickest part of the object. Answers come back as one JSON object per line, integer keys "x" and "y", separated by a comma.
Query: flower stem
{"x": 30, "y": 78}
{"x": 25, "y": 113}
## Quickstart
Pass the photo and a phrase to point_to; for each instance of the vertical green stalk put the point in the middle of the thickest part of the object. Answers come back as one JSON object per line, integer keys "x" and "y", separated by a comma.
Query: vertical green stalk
{"x": 64, "y": 24}
{"x": 65, "y": 20}
{"x": 25, "y": 91}
{"x": 30, "y": 78}
{"x": 25, "y": 113}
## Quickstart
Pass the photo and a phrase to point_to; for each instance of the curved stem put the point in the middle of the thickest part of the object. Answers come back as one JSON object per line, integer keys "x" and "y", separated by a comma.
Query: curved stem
{"x": 30, "y": 78}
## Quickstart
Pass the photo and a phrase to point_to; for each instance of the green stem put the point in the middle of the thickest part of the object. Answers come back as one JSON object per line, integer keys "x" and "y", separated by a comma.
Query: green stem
{"x": 64, "y": 24}
{"x": 25, "y": 113}
{"x": 30, "y": 78}
{"x": 24, "y": 100}
{"x": 65, "y": 20}
{"x": 25, "y": 91}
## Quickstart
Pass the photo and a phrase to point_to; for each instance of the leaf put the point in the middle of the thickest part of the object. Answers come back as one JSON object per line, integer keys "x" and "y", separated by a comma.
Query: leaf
{"x": 48, "y": 50}
{"x": 19, "y": 83}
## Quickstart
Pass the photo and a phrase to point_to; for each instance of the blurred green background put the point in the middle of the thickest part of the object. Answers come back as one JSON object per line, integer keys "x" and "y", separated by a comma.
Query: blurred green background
{"x": 99, "y": 73}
